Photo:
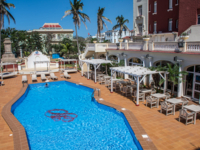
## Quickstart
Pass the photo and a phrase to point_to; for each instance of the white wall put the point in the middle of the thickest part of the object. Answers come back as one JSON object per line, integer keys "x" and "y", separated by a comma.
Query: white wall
{"x": 145, "y": 13}
{"x": 37, "y": 56}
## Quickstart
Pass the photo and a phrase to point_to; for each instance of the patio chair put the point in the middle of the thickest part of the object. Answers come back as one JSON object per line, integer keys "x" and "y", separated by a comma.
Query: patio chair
{"x": 152, "y": 101}
{"x": 153, "y": 91}
{"x": 127, "y": 90}
{"x": 167, "y": 96}
{"x": 185, "y": 101}
{"x": 52, "y": 75}
{"x": 167, "y": 107}
{"x": 43, "y": 77}
{"x": 189, "y": 117}
{"x": 24, "y": 79}
{"x": 34, "y": 77}
{"x": 66, "y": 75}
{"x": 141, "y": 96}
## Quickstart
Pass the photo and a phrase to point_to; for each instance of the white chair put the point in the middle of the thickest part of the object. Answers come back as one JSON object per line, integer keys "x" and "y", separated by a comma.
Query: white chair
{"x": 189, "y": 117}
{"x": 1, "y": 82}
{"x": 66, "y": 75}
{"x": 43, "y": 77}
{"x": 52, "y": 75}
{"x": 152, "y": 101}
{"x": 141, "y": 96}
{"x": 34, "y": 77}
{"x": 167, "y": 107}
{"x": 24, "y": 79}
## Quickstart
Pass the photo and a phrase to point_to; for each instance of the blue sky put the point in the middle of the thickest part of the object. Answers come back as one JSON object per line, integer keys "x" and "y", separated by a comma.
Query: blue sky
{"x": 32, "y": 14}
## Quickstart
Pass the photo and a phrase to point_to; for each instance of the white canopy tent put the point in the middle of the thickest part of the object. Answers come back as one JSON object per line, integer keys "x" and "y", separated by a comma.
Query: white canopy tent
{"x": 96, "y": 63}
{"x": 137, "y": 72}
{"x": 40, "y": 62}
{"x": 69, "y": 69}
{"x": 7, "y": 74}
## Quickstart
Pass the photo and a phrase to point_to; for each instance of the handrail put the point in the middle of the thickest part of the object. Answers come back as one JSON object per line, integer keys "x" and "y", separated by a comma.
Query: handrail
{"x": 95, "y": 91}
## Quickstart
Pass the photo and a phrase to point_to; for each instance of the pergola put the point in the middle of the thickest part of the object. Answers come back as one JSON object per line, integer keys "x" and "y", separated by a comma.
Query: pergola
{"x": 10, "y": 74}
{"x": 69, "y": 60}
{"x": 41, "y": 62}
{"x": 137, "y": 72}
{"x": 96, "y": 63}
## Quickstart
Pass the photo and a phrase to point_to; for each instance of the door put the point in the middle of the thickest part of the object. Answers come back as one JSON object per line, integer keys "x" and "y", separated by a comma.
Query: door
{"x": 197, "y": 86}
{"x": 140, "y": 28}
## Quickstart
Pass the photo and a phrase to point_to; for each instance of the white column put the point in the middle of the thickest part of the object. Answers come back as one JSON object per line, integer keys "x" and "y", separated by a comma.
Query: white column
{"x": 95, "y": 70}
{"x": 118, "y": 56}
{"x": 180, "y": 84}
{"x": 165, "y": 83}
{"x": 143, "y": 60}
{"x": 14, "y": 68}
{"x": 125, "y": 64}
{"x": 81, "y": 68}
{"x": 107, "y": 56}
{"x": 88, "y": 69}
{"x": 35, "y": 67}
{"x": 1, "y": 74}
{"x": 137, "y": 92}
{"x": 111, "y": 90}
{"x": 21, "y": 52}
{"x": 150, "y": 65}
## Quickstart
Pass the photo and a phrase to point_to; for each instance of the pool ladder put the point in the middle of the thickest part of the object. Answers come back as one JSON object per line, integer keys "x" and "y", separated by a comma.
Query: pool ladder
{"x": 99, "y": 92}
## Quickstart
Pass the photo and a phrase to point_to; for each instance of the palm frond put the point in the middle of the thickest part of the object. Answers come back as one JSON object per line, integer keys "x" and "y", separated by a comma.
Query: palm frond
{"x": 67, "y": 13}
{"x": 106, "y": 19}
{"x": 85, "y": 16}
{"x": 116, "y": 26}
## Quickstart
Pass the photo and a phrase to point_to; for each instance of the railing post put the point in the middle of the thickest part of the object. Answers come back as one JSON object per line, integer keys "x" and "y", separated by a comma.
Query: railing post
{"x": 185, "y": 46}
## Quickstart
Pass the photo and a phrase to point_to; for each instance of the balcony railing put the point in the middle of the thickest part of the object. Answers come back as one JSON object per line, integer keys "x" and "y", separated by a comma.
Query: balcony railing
{"x": 146, "y": 46}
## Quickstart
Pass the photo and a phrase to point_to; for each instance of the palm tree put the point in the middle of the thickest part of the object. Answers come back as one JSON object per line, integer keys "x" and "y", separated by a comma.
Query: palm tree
{"x": 78, "y": 16}
{"x": 100, "y": 21}
{"x": 4, "y": 12}
{"x": 66, "y": 49}
{"x": 121, "y": 24}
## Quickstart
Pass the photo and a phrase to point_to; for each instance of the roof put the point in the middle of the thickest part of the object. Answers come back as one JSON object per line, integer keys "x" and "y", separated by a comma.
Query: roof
{"x": 97, "y": 61}
{"x": 127, "y": 37}
{"x": 51, "y": 25}
{"x": 68, "y": 59}
{"x": 135, "y": 70}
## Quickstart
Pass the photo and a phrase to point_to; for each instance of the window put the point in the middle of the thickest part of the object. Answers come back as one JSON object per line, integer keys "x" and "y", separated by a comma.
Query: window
{"x": 170, "y": 24}
{"x": 149, "y": 7}
{"x": 155, "y": 27}
{"x": 170, "y": 4}
{"x": 198, "y": 19}
{"x": 139, "y": 10}
{"x": 155, "y": 7}
{"x": 176, "y": 2}
{"x": 177, "y": 24}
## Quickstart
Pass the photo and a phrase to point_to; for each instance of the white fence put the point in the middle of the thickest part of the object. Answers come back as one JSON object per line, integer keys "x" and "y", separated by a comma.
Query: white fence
{"x": 166, "y": 46}
{"x": 193, "y": 47}
{"x": 135, "y": 45}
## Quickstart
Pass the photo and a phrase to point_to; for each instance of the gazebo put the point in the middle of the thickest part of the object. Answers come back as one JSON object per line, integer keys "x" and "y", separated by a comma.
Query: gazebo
{"x": 69, "y": 69}
{"x": 96, "y": 63}
{"x": 137, "y": 72}
{"x": 41, "y": 62}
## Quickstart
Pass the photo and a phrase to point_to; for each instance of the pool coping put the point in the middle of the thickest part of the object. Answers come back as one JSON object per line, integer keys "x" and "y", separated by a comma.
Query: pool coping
{"x": 19, "y": 134}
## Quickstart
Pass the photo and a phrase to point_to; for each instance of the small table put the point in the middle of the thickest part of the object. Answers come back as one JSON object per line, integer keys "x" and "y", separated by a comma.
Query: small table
{"x": 195, "y": 109}
{"x": 174, "y": 102}
{"x": 158, "y": 95}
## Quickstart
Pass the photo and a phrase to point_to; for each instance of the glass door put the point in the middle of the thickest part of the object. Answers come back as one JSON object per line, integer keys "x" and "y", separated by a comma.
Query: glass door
{"x": 197, "y": 86}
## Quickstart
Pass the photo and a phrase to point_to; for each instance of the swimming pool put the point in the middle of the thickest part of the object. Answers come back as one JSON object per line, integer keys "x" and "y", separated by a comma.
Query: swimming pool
{"x": 66, "y": 116}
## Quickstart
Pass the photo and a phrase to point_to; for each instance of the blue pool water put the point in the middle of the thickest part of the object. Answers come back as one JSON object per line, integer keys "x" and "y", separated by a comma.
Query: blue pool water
{"x": 64, "y": 116}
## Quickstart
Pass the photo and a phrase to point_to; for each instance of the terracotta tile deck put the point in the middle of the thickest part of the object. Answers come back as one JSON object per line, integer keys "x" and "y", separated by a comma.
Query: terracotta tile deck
{"x": 165, "y": 131}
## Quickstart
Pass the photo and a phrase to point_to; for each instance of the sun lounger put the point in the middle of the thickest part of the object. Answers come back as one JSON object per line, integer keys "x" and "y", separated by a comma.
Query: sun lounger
{"x": 43, "y": 77}
{"x": 66, "y": 75}
{"x": 52, "y": 75}
{"x": 34, "y": 77}
{"x": 24, "y": 79}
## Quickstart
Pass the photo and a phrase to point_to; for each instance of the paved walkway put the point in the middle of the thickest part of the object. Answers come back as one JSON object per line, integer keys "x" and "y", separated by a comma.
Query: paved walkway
{"x": 165, "y": 131}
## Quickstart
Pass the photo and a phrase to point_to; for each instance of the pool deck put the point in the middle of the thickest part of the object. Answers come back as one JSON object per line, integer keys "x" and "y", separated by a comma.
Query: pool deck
{"x": 164, "y": 131}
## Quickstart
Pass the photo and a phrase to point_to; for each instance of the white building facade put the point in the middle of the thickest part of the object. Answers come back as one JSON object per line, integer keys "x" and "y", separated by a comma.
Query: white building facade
{"x": 113, "y": 35}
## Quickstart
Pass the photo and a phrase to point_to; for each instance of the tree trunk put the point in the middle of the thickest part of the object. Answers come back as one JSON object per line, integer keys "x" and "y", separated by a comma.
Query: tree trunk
{"x": 77, "y": 39}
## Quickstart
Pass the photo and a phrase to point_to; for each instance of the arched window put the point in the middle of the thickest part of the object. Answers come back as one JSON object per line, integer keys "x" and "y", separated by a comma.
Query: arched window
{"x": 135, "y": 61}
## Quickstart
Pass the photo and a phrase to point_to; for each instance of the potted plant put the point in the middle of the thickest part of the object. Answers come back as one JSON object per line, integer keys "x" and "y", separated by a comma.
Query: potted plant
{"x": 184, "y": 36}
{"x": 120, "y": 40}
{"x": 146, "y": 38}
{"x": 94, "y": 41}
